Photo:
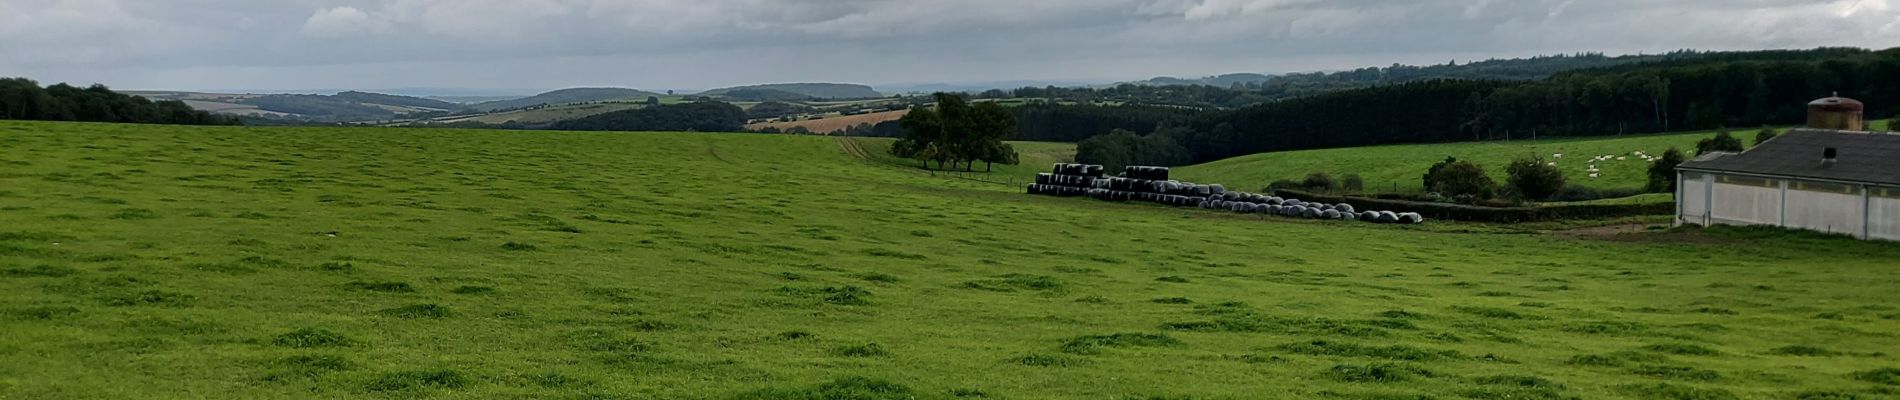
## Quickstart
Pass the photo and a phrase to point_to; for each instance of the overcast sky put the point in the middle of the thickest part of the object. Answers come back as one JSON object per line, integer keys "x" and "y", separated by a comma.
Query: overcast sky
{"x": 698, "y": 44}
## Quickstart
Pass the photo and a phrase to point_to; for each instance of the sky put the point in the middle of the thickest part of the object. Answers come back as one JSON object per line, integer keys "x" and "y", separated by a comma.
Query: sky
{"x": 512, "y": 45}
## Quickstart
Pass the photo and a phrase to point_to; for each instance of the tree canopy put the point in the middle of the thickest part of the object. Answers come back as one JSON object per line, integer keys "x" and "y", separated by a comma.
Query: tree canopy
{"x": 22, "y": 98}
{"x": 957, "y": 131}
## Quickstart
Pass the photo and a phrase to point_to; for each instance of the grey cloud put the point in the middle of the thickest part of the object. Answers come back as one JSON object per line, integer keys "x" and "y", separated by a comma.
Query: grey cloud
{"x": 701, "y": 43}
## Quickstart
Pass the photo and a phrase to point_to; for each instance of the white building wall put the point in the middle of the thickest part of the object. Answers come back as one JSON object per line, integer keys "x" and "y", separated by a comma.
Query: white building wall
{"x": 1842, "y": 212}
{"x": 1692, "y": 204}
{"x": 1883, "y": 214}
{"x": 1745, "y": 204}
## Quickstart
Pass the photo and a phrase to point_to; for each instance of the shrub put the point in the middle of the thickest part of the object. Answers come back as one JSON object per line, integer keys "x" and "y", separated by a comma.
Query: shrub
{"x": 1460, "y": 179}
{"x": 1535, "y": 179}
{"x": 1765, "y": 135}
{"x": 1353, "y": 183}
{"x": 1319, "y": 181}
{"x": 1662, "y": 173}
{"x": 1722, "y": 142}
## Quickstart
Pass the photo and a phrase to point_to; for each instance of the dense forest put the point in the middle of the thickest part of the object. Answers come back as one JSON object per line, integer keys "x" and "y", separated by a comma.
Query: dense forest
{"x": 698, "y": 117}
{"x": 22, "y": 98}
{"x": 1741, "y": 89}
{"x": 1242, "y": 90}
{"x": 1045, "y": 122}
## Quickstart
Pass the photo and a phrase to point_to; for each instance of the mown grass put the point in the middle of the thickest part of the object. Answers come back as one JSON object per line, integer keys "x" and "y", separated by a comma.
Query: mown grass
{"x": 398, "y": 263}
{"x": 1401, "y": 168}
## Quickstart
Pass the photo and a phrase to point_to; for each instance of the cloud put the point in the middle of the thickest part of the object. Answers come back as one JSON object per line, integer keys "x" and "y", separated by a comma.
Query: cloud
{"x": 342, "y": 21}
{"x": 688, "y": 43}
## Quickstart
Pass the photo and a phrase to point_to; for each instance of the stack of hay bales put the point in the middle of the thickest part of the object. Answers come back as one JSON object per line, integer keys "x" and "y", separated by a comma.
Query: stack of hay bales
{"x": 1255, "y": 203}
{"x": 1068, "y": 180}
{"x": 1151, "y": 184}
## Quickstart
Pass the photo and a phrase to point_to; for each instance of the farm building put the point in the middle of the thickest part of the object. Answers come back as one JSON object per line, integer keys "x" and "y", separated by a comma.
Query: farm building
{"x": 1836, "y": 181}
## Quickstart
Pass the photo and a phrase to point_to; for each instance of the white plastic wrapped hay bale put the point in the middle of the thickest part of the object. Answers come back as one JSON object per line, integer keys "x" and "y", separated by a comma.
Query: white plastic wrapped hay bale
{"x": 1388, "y": 217}
{"x": 1347, "y": 208}
{"x": 1332, "y": 214}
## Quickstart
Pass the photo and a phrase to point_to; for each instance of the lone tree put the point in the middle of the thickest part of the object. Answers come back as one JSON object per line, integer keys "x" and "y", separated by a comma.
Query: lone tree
{"x": 1723, "y": 141}
{"x": 1662, "y": 173}
{"x": 1535, "y": 179}
{"x": 958, "y": 133}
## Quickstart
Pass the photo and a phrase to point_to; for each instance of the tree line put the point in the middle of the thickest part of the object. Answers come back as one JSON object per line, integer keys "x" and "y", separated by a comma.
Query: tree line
{"x": 1734, "y": 90}
{"x": 958, "y": 133}
{"x": 22, "y": 98}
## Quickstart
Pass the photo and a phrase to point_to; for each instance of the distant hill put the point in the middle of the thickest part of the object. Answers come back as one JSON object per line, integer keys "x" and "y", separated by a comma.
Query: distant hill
{"x": 565, "y": 96}
{"x": 764, "y": 95}
{"x": 320, "y": 107}
{"x": 698, "y": 117}
{"x": 394, "y": 100}
{"x": 808, "y": 90}
{"x": 1226, "y": 80}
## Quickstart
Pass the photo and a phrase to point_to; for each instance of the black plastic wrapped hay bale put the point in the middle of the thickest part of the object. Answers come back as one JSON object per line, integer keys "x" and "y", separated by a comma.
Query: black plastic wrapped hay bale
{"x": 1347, "y": 208}
{"x": 1332, "y": 214}
{"x": 1412, "y": 218}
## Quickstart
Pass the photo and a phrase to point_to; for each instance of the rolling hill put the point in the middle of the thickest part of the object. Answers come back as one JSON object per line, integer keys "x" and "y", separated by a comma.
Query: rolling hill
{"x": 807, "y": 90}
{"x": 341, "y": 107}
{"x": 565, "y": 96}
{"x": 167, "y": 262}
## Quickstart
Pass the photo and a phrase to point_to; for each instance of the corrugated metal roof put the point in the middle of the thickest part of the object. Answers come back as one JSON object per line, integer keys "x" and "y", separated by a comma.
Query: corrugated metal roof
{"x": 1862, "y": 157}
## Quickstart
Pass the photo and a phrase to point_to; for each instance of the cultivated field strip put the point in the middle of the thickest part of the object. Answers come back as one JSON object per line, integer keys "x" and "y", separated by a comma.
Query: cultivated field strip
{"x": 160, "y": 262}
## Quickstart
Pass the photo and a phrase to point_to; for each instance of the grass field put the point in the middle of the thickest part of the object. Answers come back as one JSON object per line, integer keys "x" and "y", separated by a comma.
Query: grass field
{"x": 225, "y": 262}
{"x": 1401, "y": 168}
{"x": 834, "y": 123}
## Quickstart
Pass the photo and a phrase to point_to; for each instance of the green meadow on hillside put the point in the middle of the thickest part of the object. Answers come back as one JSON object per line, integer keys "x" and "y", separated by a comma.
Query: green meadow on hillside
{"x": 171, "y": 262}
{"x": 1401, "y": 168}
